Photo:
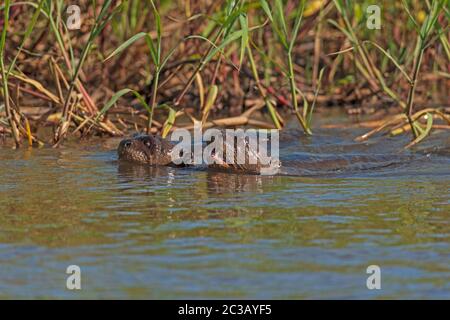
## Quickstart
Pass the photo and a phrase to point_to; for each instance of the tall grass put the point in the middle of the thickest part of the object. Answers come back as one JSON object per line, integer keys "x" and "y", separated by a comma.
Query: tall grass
{"x": 426, "y": 35}
{"x": 363, "y": 61}
{"x": 155, "y": 52}
{"x": 101, "y": 20}
{"x": 261, "y": 47}
{"x": 5, "y": 90}
{"x": 224, "y": 33}
{"x": 424, "y": 39}
{"x": 288, "y": 38}
{"x": 14, "y": 118}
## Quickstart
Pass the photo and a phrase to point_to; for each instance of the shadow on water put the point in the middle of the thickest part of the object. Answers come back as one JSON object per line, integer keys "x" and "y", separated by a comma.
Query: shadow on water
{"x": 159, "y": 232}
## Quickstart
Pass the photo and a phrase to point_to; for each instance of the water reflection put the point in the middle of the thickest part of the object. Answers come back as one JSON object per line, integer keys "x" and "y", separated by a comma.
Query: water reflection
{"x": 217, "y": 182}
{"x": 160, "y": 232}
{"x": 224, "y": 183}
{"x": 129, "y": 172}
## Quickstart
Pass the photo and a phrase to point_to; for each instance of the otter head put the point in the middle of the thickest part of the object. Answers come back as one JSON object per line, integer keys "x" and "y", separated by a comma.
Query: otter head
{"x": 146, "y": 149}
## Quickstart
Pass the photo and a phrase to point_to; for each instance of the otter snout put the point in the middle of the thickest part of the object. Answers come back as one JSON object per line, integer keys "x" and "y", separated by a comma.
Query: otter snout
{"x": 146, "y": 149}
{"x": 132, "y": 150}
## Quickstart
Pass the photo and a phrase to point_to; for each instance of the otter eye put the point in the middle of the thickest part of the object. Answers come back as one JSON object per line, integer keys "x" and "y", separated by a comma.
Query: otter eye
{"x": 127, "y": 144}
{"x": 147, "y": 143}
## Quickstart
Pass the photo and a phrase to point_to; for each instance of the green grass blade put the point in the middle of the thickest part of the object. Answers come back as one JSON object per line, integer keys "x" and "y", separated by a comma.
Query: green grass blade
{"x": 298, "y": 21}
{"x": 26, "y": 35}
{"x": 311, "y": 110}
{"x": 170, "y": 121}
{"x": 244, "y": 39}
{"x": 423, "y": 133}
{"x": 116, "y": 97}
{"x": 266, "y": 8}
{"x": 125, "y": 45}
{"x": 390, "y": 57}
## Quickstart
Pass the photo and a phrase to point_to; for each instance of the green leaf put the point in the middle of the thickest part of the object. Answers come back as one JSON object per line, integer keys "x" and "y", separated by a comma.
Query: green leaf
{"x": 157, "y": 19}
{"x": 151, "y": 48}
{"x": 298, "y": 20}
{"x": 168, "y": 124}
{"x": 232, "y": 37}
{"x": 394, "y": 61}
{"x": 212, "y": 95}
{"x": 424, "y": 133}
{"x": 347, "y": 34}
{"x": 116, "y": 97}
{"x": 244, "y": 39}
{"x": 5, "y": 27}
{"x": 27, "y": 34}
{"x": 230, "y": 20}
{"x": 126, "y": 44}
{"x": 411, "y": 17}
{"x": 310, "y": 111}
{"x": 279, "y": 16}
{"x": 265, "y": 7}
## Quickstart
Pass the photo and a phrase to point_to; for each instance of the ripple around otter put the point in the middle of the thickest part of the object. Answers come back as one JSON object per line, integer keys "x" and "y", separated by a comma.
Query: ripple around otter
{"x": 159, "y": 232}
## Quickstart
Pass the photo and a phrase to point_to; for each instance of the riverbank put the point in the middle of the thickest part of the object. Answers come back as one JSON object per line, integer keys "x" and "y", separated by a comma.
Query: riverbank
{"x": 144, "y": 66}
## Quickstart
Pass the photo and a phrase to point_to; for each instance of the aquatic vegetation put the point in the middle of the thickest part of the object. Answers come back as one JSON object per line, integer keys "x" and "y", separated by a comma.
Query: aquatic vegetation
{"x": 424, "y": 40}
{"x": 157, "y": 65}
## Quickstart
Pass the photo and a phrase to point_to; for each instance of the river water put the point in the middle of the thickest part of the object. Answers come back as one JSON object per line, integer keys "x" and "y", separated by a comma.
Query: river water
{"x": 138, "y": 232}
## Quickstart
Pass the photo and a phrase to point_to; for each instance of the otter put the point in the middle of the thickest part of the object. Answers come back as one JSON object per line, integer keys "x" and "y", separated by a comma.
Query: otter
{"x": 157, "y": 151}
{"x": 146, "y": 149}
